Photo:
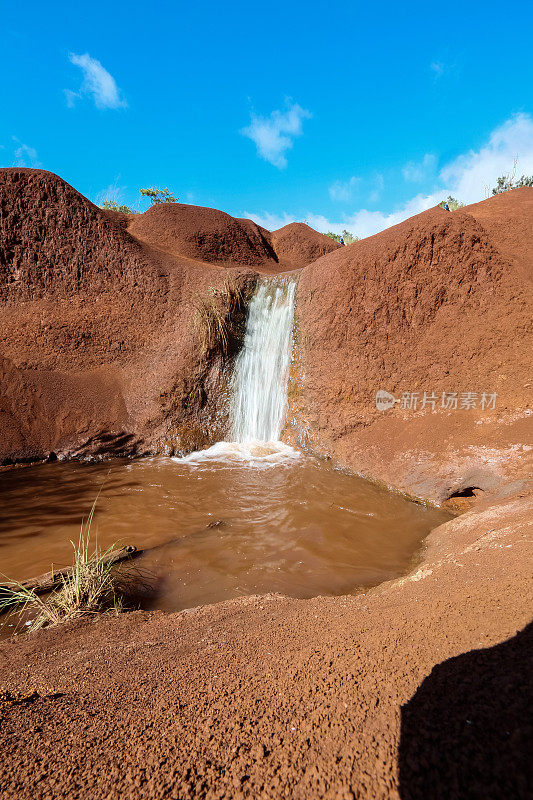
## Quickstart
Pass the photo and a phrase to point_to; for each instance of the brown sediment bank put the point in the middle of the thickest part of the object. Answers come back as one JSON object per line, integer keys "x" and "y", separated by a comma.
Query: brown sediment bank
{"x": 417, "y": 688}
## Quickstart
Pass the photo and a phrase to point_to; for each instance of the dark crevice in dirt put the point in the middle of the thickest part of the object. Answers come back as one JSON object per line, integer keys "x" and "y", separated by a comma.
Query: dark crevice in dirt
{"x": 469, "y": 491}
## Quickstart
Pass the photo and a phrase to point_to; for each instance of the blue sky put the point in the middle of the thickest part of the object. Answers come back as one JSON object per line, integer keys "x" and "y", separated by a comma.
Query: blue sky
{"x": 344, "y": 115}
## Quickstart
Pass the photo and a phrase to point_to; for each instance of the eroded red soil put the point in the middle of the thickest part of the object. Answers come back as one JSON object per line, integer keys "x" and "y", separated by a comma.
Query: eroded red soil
{"x": 439, "y": 303}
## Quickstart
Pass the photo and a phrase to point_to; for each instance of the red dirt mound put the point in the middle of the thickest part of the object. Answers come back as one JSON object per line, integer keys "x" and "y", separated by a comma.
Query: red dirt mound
{"x": 297, "y": 245}
{"x": 52, "y": 239}
{"x": 101, "y": 333}
{"x": 507, "y": 219}
{"x": 204, "y": 234}
{"x": 436, "y": 304}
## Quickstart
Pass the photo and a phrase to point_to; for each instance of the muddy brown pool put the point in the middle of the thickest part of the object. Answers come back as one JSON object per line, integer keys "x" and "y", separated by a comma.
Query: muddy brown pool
{"x": 217, "y": 528}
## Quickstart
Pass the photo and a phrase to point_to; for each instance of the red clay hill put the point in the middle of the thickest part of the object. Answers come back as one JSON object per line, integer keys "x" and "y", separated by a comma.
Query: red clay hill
{"x": 297, "y": 245}
{"x": 205, "y": 234}
{"x": 211, "y": 236}
{"x": 101, "y": 318}
{"x": 441, "y": 303}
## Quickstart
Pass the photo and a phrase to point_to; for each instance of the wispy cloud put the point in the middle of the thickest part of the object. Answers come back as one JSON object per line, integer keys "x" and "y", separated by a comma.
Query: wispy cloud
{"x": 97, "y": 82}
{"x": 379, "y": 185}
{"x": 24, "y": 155}
{"x": 438, "y": 69}
{"x": 113, "y": 192}
{"x": 342, "y": 191}
{"x": 468, "y": 178}
{"x": 371, "y": 188}
{"x": 445, "y": 68}
{"x": 274, "y": 135}
{"x": 419, "y": 171}
{"x": 271, "y": 221}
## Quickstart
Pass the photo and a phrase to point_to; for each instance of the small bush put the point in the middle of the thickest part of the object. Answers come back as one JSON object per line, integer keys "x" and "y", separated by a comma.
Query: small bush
{"x": 349, "y": 238}
{"x": 110, "y": 205}
{"x": 507, "y": 182}
{"x": 158, "y": 195}
{"x": 453, "y": 204}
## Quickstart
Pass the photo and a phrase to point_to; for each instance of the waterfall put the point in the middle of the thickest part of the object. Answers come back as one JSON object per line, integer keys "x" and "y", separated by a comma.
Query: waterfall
{"x": 259, "y": 384}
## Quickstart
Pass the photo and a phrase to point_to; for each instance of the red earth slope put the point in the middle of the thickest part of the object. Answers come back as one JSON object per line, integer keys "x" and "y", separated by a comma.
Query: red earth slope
{"x": 297, "y": 245}
{"x": 439, "y": 303}
{"x": 204, "y": 234}
{"x": 54, "y": 240}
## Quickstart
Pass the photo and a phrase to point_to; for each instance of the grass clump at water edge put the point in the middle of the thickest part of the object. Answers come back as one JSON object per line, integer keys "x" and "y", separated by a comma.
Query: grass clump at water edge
{"x": 94, "y": 584}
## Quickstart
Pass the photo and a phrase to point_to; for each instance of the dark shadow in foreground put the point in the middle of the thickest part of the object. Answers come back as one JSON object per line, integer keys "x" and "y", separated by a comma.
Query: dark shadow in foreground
{"x": 467, "y": 732}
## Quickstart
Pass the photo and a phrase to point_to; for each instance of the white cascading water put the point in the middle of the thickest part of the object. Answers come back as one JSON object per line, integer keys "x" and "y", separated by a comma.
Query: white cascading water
{"x": 259, "y": 385}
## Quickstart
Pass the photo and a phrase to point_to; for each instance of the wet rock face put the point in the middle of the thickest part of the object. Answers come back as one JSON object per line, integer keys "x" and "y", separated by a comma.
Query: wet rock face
{"x": 438, "y": 304}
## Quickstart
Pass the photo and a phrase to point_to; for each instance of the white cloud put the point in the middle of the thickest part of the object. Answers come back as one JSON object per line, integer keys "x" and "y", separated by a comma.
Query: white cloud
{"x": 343, "y": 191}
{"x": 274, "y": 135}
{"x": 418, "y": 172}
{"x": 366, "y": 223}
{"x": 468, "y": 178}
{"x": 71, "y": 97}
{"x": 470, "y": 174}
{"x": 271, "y": 221}
{"x": 24, "y": 155}
{"x": 96, "y": 82}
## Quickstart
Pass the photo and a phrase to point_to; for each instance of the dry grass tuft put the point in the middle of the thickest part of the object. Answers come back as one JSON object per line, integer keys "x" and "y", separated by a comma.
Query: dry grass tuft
{"x": 214, "y": 316}
{"x": 94, "y": 585}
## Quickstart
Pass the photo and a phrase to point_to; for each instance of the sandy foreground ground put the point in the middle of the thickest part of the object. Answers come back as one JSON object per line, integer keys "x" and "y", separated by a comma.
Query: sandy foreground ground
{"x": 418, "y": 689}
